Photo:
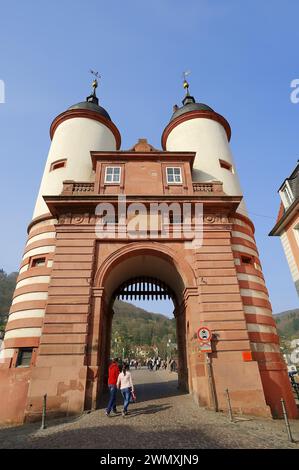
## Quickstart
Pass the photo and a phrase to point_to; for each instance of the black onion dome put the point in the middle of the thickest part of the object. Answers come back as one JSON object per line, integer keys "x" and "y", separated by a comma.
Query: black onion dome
{"x": 191, "y": 107}
{"x": 91, "y": 107}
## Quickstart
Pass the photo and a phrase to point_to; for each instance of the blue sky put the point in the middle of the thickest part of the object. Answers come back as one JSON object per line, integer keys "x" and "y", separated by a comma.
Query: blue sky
{"x": 243, "y": 57}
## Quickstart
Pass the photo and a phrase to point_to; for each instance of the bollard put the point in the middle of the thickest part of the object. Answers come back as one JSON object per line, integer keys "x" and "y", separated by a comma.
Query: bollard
{"x": 43, "y": 426}
{"x": 285, "y": 415}
{"x": 229, "y": 407}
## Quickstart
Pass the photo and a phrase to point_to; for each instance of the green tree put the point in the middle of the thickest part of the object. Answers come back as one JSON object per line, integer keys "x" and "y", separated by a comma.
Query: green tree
{"x": 139, "y": 328}
{"x": 7, "y": 287}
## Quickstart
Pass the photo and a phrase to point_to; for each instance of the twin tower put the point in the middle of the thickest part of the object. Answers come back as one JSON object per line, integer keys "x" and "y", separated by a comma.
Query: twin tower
{"x": 58, "y": 336}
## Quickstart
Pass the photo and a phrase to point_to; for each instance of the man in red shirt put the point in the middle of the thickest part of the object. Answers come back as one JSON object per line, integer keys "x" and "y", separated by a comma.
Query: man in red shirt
{"x": 113, "y": 374}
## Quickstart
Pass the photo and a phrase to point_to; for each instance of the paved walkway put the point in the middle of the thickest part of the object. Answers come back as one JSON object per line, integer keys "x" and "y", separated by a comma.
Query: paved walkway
{"x": 161, "y": 419}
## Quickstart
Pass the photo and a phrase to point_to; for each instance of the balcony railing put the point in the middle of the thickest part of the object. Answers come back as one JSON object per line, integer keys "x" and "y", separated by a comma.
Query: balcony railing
{"x": 78, "y": 187}
{"x": 213, "y": 187}
{"x": 81, "y": 187}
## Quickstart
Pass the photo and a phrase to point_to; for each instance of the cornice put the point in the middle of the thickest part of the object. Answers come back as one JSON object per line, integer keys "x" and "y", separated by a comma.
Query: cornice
{"x": 85, "y": 113}
{"x": 195, "y": 115}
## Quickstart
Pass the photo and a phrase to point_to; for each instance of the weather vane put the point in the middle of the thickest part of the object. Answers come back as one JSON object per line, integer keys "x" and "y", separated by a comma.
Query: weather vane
{"x": 186, "y": 84}
{"x": 93, "y": 97}
{"x": 95, "y": 82}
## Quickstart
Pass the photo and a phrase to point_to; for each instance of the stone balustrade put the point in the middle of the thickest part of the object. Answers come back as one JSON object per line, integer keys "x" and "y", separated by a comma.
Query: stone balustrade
{"x": 81, "y": 187}
{"x": 212, "y": 187}
{"x": 77, "y": 187}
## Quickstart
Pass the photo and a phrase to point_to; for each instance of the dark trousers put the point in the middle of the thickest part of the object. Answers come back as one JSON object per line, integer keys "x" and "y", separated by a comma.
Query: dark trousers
{"x": 112, "y": 398}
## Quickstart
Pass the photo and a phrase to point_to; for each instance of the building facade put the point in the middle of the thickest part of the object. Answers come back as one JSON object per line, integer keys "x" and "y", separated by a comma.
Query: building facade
{"x": 292, "y": 356}
{"x": 287, "y": 224}
{"x": 92, "y": 237}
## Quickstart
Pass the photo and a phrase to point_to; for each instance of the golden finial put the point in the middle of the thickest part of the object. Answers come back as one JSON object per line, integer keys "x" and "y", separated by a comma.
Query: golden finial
{"x": 186, "y": 84}
{"x": 95, "y": 82}
{"x": 93, "y": 98}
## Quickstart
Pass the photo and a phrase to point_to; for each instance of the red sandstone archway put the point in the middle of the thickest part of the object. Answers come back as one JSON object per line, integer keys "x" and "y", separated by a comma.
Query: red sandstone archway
{"x": 155, "y": 249}
{"x": 141, "y": 259}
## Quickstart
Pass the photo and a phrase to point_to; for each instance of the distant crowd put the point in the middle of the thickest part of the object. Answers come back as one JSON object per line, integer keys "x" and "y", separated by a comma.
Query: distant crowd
{"x": 156, "y": 363}
{"x": 153, "y": 363}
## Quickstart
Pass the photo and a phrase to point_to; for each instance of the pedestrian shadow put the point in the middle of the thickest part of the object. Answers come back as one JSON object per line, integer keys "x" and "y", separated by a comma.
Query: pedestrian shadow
{"x": 123, "y": 436}
{"x": 148, "y": 410}
{"x": 154, "y": 391}
{"x": 148, "y": 392}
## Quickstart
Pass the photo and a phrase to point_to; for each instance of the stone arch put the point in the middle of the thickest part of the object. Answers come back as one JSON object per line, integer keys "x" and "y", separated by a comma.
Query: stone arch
{"x": 155, "y": 249}
{"x": 147, "y": 258}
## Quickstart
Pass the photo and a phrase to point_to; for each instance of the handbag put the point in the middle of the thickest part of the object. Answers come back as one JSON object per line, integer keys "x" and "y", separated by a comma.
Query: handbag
{"x": 133, "y": 397}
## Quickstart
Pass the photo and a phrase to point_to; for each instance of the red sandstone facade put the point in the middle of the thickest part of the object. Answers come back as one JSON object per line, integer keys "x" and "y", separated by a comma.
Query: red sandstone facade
{"x": 219, "y": 285}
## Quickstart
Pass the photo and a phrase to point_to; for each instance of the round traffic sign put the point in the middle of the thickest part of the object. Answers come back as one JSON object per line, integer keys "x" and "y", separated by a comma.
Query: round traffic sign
{"x": 204, "y": 334}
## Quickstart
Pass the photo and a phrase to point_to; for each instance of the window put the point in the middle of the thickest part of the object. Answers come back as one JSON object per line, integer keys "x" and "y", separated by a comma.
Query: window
{"x": 174, "y": 175}
{"x": 38, "y": 262}
{"x": 24, "y": 357}
{"x": 226, "y": 165}
{"x": 112, "y": 174}
{"x": 296, "y": 233}
{"x": 58, "y": 164}
{"x": 246, "y": 259}
{"x": 287, "y": 195}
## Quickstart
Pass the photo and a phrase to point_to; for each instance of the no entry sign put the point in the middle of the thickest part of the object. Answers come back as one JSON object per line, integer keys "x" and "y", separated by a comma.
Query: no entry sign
{"x": 204, "y": 334}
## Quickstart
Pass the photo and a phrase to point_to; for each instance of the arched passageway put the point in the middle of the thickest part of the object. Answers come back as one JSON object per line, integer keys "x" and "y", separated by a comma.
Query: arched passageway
{"x": 142, "y": 273}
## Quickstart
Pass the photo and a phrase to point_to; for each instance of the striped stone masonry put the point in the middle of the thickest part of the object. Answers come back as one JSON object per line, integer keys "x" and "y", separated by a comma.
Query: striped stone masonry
{"x": 65, "y": 326}
{"x": 27, "y": 312}
{"x": 261, "y": 327}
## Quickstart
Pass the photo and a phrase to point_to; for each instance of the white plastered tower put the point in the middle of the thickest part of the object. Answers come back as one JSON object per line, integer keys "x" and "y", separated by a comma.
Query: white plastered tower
{"x": 82, "y": 128}
{"x": 198, "y": 128}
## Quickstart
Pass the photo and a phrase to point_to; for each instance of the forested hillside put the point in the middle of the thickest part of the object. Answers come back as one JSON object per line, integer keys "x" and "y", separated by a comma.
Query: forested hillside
{"x": 288, "y": 323}
{"x": 7, "y": 287}
{"x": 132, "y": 325}
{"x": 135, "y": 326}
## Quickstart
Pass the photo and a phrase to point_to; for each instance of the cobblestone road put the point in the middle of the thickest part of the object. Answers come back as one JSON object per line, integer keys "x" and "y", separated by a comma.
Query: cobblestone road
{"x": 161, "y": 419}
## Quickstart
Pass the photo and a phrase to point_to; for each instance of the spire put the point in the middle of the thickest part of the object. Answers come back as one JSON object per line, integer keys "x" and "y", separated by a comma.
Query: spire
{"x": 189, "y": 103}
{"x": 188, "y": 98}
{"x": 186, "y": 84}
{"x": 93, "y": 97}
{"x": 92, "y": 102}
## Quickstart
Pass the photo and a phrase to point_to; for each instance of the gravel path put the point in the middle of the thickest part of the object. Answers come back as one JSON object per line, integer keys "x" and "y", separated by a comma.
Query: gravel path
{"x": 163, "y": 418}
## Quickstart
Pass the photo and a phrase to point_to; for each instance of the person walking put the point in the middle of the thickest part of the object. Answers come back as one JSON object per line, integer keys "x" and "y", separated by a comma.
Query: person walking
{"x": 113, "y": 374}
{"x": 124, "y": 382}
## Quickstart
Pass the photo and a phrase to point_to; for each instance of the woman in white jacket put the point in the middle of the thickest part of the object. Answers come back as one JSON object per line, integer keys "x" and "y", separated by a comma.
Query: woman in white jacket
{"x": 124, "y": 382}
